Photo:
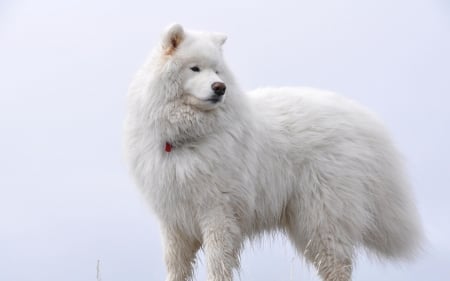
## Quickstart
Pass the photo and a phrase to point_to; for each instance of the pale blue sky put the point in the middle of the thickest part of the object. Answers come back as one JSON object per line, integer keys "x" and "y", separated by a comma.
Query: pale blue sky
{"x": 66, "y": 198}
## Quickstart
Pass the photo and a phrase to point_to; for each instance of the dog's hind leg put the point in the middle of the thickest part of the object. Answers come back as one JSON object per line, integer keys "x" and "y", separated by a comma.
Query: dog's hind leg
{"x": 330, "y": 265}
{"x": 325, "y": 254}
{"x": 321, "y": 246}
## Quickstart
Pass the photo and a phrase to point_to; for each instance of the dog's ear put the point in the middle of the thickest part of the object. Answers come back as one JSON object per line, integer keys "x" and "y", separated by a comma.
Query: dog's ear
{"x": 172, "y": 38}
{"x": 219, "y": 38}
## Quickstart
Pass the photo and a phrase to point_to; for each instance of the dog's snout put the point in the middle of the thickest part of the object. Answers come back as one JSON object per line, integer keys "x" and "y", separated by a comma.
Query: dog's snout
{"x": 218, "y": 88}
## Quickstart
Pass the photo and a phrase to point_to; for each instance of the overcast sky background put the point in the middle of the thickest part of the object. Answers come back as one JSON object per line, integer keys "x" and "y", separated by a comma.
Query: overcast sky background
{"x": 66, "y": 198}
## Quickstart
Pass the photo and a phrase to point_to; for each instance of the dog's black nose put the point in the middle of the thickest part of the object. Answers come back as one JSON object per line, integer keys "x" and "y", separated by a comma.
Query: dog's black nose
{"x": 218, "y": 88}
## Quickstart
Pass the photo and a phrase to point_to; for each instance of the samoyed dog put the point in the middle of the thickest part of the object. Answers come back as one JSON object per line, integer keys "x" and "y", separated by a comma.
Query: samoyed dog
{"x": 219, "y": 166}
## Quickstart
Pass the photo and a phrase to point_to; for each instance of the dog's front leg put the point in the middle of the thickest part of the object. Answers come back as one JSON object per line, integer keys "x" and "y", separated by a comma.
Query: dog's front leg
{"x": 222, "y": 241}
{"x": 179, "y": 254}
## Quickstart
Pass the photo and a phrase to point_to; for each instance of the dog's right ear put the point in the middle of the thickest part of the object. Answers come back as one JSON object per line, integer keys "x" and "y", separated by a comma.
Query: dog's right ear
{"x": 172, "y": 38}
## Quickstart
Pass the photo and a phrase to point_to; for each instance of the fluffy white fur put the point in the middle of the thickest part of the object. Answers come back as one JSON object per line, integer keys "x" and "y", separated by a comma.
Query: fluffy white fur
{"x": 306, "y": 162}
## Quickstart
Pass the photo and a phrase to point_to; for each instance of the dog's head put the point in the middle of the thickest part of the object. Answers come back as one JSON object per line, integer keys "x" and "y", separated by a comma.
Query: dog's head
{"x": 199, "y": 65}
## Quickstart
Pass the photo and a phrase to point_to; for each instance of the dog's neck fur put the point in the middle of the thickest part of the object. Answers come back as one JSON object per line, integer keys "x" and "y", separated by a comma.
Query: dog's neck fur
{"x": 182, "y": 125}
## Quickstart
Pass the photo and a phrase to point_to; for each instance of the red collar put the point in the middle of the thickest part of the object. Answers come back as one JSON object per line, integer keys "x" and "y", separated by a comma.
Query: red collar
{"x": 168, "y": 147}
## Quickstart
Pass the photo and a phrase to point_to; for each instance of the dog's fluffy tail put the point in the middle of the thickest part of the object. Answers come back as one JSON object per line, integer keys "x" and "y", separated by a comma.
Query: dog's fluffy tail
{"x": 396, "y": 232}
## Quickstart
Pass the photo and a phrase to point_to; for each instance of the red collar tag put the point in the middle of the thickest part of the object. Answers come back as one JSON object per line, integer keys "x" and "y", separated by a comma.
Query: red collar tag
{"x": 168, "y": 147}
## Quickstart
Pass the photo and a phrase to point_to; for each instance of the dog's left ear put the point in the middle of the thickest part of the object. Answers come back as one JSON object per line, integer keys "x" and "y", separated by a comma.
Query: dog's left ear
{"x": 219, "y": 38}
{"x": 172, "y": 38}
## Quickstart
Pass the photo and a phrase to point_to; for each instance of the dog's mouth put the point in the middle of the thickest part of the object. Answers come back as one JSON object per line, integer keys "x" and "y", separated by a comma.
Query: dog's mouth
{"x": 215, "y": 99}
{"x": 203, "y": 104}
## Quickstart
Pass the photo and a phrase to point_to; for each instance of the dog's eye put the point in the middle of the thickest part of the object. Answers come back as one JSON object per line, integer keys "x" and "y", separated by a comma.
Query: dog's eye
{"x": 195, "y": 69}
{"x": 217, "y": 72}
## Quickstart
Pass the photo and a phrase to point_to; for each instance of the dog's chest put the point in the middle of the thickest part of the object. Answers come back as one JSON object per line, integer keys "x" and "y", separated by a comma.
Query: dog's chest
{"x": 177, "y": 189}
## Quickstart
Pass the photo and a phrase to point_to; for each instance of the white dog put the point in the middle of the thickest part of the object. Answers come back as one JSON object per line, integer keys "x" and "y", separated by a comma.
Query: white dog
{"x": 219, "y": 166}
